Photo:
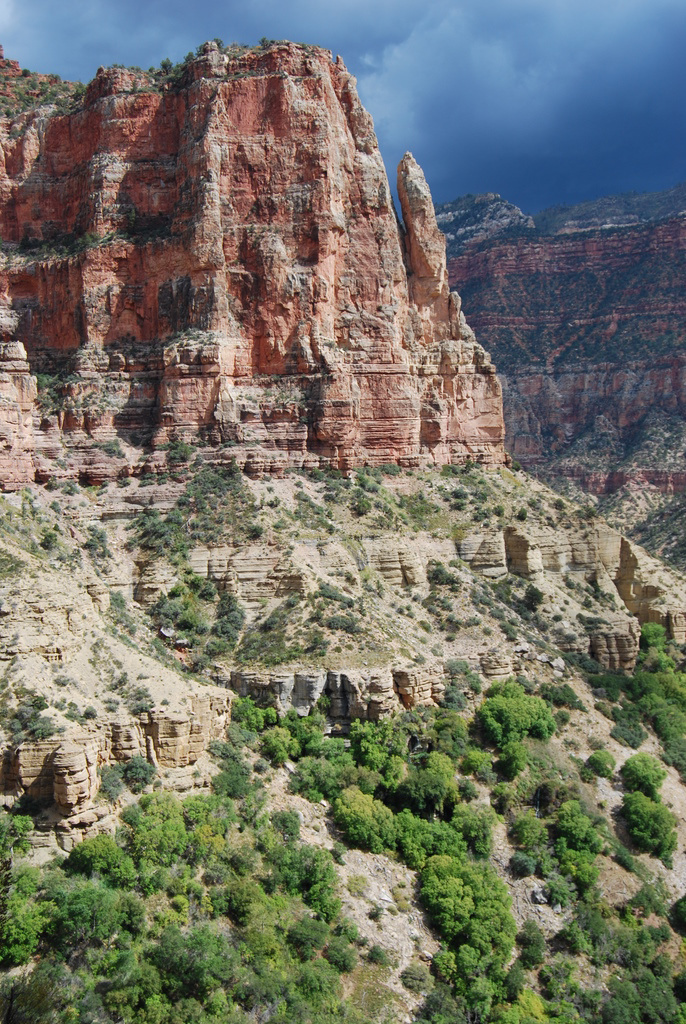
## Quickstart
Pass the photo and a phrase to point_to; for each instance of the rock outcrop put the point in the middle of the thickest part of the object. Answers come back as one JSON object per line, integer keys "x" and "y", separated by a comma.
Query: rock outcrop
{"x": 367, "y": 694}
{"x": 594, "y": 554}
{"x": 65, "y": 772}
{"x": 220, "y": 258}
{"x": 17, "y": 399}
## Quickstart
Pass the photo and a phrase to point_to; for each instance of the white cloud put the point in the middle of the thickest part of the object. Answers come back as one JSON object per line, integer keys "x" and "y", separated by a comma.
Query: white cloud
{"x": 476, "y": 88}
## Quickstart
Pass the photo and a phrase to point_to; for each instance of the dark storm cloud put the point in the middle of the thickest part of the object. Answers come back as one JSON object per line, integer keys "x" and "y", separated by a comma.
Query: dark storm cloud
{"x": 544, "y": 101}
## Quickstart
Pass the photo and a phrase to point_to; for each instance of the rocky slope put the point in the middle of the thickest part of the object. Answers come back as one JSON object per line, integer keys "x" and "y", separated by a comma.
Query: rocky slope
{"x": 217, "y": 256}
{"x": 380, "y": 596}
{"x": 360, "y": 594}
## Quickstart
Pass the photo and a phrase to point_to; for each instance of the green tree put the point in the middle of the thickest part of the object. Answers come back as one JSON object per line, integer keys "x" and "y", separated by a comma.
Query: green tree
{"x": 475, "y": 825}
{"x": 341, "y": 954}
{"x": 576, "y": 830}
{"x": 529, "y": 832}
{"x": 101, "y": 855}
{"x": 25, "y": 917}
{"x": 531, "y": 941}
{"x": 193, "y": 964}
{"x": 653, "y": 636}
{"x": 471, "y": 907}
{"x": 309, "y": 872}
{"x": 84, "y": 912}
{"x": 426, "y": 792}
{"x": 651, "y": 825}
{"x": 277, "y": 745}
{"x": 381, "y": 746}
{"x": 157, "y": 831}
{"x": 35, "y": 998}
{"x": 418, "y": 839}
{"x": 509, "y": 714}
{"x": 601, "y": 763}
{"x": 138, "y": 773}
{"x": 307, "y": 936}
{"x": 533, "y": 597}
{"x": 514, "y": 759}
{"x": 14, "y": 831}
{"x": 643, "y": 773}
{"x": 254, "y": 718}
{"x": 229, "y": 622}
{"x": 679, "y": 913}
{"x": 366, "y": 822}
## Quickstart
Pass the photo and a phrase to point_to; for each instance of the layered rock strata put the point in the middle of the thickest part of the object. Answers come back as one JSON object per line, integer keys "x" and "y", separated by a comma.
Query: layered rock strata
{"x": 237, "y": 274}
{"x": 65, "y": 772}
{"x": 584, "y": 315}
{"x": 367, "y": 694}
{"x": 594, "y": 554}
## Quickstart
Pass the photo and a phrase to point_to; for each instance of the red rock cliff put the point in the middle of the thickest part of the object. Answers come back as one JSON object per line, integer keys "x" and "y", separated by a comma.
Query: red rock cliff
{"x": 587, "y": 328}
{"x": 236, "y": 272}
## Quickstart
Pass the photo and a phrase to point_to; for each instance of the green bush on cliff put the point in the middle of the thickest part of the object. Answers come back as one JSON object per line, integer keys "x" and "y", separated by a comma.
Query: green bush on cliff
{"x": 601, "y": 763}
{"x": 471, "y": 908}
{"x": 509, "y": 714}
{"x": 651, "y": 826}
{"x": 366, "y": 822}
{"x": 645, "y": 774}
{"x": 101, "y": 855}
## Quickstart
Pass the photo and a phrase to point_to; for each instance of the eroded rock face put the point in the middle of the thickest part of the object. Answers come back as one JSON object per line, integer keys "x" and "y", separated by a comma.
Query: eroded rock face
{"x": 368, "y": 694}
{"x": 65, "y": 772}
{"x": 251, "y": 239}
{"x": 648, "y": 591}
{"x": 17, "y": 397}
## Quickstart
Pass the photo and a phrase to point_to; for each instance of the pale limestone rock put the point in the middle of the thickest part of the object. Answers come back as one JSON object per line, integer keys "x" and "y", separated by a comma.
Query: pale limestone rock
{"x": 616, "y": 646}
{"x": 374, "y": 691}
{"x": 418, "y": 686}
{"x": 361, "y": 693}
{"x": 399, "y": 564}
{"x": 124, "y": 740}
{"x": 177, "y": 740}
{"x": 52, "y": 618}
{"x": 154, "y": 575}
{"x": 524, "y": 556}
{"x": 496, "y": 664}
{"x": 308, "y": 688}
{"x": 485, "y": 553}
{"x": 597, "y": 554}
{"x": 253, "y": 568}
{"x": 28, "y": 769}
{"x": 265, "y": 688}
{"x": 336, "y": 559}
{"x": 75, "y": 774}
{"x": 64, "y": 772}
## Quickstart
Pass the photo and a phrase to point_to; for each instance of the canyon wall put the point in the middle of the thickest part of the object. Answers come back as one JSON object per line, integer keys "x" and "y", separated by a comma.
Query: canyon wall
{"x": 587, "y": 328}
{"x": 219, "y": 259}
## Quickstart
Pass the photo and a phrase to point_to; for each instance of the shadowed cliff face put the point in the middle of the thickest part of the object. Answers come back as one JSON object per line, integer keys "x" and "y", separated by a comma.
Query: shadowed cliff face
{"x": 223, "y": 260}
{"x": 586, "y": 325}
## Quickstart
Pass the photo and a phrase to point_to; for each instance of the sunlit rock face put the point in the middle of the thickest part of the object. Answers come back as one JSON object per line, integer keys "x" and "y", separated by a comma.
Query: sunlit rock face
{"x": 223, "y": 260}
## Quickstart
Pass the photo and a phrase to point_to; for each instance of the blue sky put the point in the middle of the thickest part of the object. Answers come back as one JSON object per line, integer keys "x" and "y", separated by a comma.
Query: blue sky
{"x": 543, "y": 101}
